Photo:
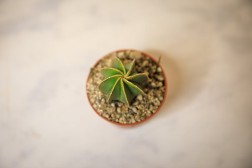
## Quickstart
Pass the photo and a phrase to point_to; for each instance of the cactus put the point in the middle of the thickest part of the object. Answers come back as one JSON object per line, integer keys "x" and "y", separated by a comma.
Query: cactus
{"x": 121, "y": 83}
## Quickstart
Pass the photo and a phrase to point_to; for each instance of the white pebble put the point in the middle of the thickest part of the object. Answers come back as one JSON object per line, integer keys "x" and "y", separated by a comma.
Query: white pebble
{"x": 159, "y": 69}
{"x": 159, "y": 77}
{"x": 140, "y": 97}
{"x": 134, "y": 109}
{"x": 118, "y": 110}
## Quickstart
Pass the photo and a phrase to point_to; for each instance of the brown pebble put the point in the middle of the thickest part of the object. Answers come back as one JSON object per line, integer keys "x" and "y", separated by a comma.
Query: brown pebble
{"x": 145, "y": 63}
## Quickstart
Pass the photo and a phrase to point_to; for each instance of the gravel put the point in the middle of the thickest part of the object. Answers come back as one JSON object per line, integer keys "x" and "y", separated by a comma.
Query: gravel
{"x": 143, "y": 106}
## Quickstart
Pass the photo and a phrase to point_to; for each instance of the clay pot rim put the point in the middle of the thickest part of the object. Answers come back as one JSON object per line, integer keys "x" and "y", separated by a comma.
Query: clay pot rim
{"x": 161, "y": 104}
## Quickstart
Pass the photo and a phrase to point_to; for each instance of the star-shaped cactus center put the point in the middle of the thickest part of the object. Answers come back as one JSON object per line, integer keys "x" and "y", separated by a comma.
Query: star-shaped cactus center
{"x": 121, "y": 83}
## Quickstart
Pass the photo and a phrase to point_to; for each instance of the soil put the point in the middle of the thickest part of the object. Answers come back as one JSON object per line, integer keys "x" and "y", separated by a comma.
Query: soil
{"x": 142, "y": 107}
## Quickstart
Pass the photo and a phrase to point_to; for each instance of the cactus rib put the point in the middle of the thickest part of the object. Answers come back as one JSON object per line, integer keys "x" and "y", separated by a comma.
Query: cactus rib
{"x": 122, "y": 83}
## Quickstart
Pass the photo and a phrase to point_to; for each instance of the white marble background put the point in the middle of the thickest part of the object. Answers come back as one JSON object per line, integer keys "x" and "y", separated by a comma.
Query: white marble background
{"x": 48, "y": 46}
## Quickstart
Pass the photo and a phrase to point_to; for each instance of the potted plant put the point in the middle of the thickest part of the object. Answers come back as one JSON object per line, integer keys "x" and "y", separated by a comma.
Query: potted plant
{"x": 126, "y": 87}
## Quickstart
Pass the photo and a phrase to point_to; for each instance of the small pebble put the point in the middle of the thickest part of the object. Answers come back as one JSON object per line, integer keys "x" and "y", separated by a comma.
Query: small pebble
{"x": 119, "y": 104}
{"x": 138, "y": 119}
{"x": 110, "y": 110}
{"x": 103, "y": 100}
{"x": 160, "y": 84}
{"x": 160, "y": 98}
{"x": 159, "y": 77}
{"x": 120, "y": 54}
{"x": 120, "y": 120}
{"x": 156, "y": 102}
{"x": 92, "y": 100}
{"x": 153, "y": 84}
{"x": 131, "y": 112}
{"x": 118, "y": 110}
{"x": 99, "y": 111}
{"x": 95, "y": 106}
{"x": 140, "y": 97}
{"x": 151, "y": 107}
{"x": 148, "y": 114}
{"x": 145, "y": 63}
{"x": 134, "y": 109}
{"x": 135, "y": 55}
{"x": 135, "y": 103}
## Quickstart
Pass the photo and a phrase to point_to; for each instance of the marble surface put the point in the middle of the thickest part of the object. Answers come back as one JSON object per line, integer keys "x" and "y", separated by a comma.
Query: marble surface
{"x": 47, "y": 48}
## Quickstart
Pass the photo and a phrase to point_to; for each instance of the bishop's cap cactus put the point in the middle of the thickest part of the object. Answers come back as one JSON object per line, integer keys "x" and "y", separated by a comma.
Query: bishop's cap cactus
{"x": 121, "y": 83}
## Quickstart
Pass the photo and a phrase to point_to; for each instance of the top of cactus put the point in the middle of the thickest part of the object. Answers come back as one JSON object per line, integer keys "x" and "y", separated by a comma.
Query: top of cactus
{"x": 121, "y": 82}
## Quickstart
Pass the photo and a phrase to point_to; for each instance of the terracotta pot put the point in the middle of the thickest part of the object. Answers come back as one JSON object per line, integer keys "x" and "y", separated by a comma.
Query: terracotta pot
{"x": 147, "y": 118}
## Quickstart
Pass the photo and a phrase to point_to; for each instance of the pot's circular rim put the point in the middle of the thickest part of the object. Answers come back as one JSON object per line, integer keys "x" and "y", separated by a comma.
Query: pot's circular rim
{"x": 161, "y": 104}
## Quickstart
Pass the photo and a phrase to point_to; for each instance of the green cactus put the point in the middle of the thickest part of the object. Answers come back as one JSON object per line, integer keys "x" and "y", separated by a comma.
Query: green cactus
{"x": 121, "y": 83}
